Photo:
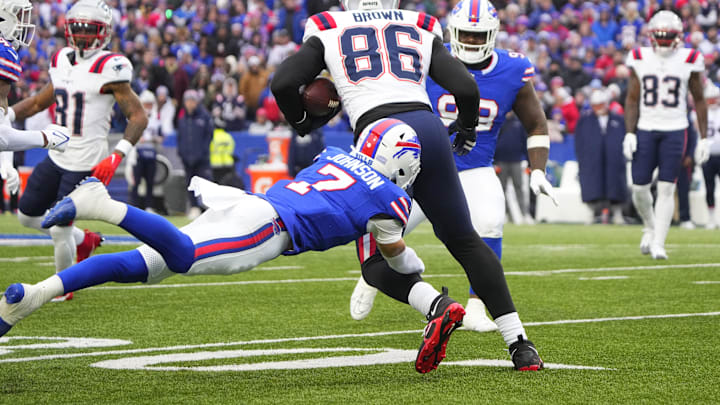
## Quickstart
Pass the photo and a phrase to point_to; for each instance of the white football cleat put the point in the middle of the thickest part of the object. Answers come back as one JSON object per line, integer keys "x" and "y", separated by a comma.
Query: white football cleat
{"x": 89, "y": 200}
{"x": 646, "y": 241}
{"x": 687, "y": 225}
{"x": 475, "y": 317}
{"x": 18, "y": 301}
{"x": 658, "y": 252}
{"x": 362, "y": 299}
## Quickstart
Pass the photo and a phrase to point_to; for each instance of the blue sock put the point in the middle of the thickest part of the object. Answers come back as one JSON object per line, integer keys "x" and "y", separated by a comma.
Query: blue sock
{"x": 176, "y": 248}
{"x": 125, "y": 267}
{"x": 496, "y": 246}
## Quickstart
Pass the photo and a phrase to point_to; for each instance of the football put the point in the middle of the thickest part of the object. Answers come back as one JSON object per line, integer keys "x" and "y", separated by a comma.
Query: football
{"x": 320, "y": 97}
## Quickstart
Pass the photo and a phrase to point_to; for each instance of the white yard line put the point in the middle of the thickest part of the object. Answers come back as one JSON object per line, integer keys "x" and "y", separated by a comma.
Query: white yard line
{"x": 328, "y": 337}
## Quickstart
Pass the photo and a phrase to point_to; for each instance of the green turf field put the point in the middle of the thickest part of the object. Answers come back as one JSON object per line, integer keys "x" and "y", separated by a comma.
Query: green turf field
{"x": 283, "y": 334}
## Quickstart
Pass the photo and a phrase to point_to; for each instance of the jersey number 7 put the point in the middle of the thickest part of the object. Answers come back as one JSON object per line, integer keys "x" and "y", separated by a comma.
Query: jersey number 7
{"x": 341, "y": 181}
{"x": 364, "y": 56}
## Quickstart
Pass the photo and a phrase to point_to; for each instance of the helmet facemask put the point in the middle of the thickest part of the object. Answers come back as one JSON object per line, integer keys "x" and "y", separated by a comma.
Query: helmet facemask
{"x": 473, "y": 26}
{"x": 15, "y": 25}
{"x": 87, "y": 36}
{"x": 665, "y": 42}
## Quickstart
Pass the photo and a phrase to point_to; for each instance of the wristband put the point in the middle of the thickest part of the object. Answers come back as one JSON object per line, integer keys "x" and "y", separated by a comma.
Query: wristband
{"x": 538, "y": 141}
{"x": 124, "y": 146}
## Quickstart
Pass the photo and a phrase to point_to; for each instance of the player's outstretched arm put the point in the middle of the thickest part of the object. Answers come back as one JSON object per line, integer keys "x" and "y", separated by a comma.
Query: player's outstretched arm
{"x": 137, "y": 121}
{"x": 34, "y": 104}
{"x": 388, "y": 236}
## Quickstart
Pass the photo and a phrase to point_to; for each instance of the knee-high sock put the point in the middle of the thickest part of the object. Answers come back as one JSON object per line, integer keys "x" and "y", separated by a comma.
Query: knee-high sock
{"x": 496, "y": 246}
{"x": 124, "y": 267}
{"x": 34, "y": 223}
{"x": 484, "y": 271}
{"x": 63, "y": 246}
{"x": 664, "y": 209}
{"x": 642, "y": 198}
{"x": 176, "y": 248}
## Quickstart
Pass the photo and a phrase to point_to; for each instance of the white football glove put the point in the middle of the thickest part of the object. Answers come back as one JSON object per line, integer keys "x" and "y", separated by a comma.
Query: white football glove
{"x": 539, "y": 184}
{"x": 702, "y": 151}
{"x": 629, "y": 145}
{"x": 11, "y": 177}
{"x": 57, "y": 137}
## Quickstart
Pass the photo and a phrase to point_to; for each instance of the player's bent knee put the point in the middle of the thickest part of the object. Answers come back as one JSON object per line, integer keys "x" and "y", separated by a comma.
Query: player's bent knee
{"x": 157, "y": 270}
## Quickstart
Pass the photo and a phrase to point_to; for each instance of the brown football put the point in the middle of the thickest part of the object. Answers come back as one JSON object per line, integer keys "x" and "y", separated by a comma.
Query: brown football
{"x": 320, "y": 97}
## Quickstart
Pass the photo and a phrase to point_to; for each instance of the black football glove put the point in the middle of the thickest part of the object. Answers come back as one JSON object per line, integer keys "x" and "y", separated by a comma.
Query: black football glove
{"x": 310, "y": 123}
{"x": 465, "y": 138}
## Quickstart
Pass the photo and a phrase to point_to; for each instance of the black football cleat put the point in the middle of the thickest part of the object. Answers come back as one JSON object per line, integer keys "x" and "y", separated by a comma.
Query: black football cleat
{"x": 445, "y": 316}
{"x": 524, "y": 356}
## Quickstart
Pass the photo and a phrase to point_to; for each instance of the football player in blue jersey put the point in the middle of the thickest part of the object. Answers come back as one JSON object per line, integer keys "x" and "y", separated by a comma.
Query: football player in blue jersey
{"x": 334, "y": 201}
{"x": 505, "y": 82}
{"x": 17, "y": 30}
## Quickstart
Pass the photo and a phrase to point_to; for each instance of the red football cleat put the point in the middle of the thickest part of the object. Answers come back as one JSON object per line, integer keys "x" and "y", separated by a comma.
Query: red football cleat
{"x": 91, "y": 241}
{"x": 62, "y": 298}
{"x": 446, "y": 316}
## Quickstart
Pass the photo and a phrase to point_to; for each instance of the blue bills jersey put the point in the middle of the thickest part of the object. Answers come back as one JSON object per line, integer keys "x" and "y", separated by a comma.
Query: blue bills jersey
{"x": 499, "y": 84}
{"x": 330, "y": 203}
{"x": 10, "y": 69}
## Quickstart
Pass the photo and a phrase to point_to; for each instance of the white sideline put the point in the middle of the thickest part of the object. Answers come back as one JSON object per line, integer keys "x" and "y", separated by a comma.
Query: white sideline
{"x": 325, "y": 280}
{"x": 327, "y": 337}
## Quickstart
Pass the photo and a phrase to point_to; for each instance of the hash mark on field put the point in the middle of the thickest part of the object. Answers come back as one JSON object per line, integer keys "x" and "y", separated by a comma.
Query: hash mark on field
{"x": 706, "y": 282}
{"x": 327, "y": 337}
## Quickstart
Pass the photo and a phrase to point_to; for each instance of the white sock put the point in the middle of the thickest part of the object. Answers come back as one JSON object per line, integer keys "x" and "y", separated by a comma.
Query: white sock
{"x": 51, "y": 287}
{"x": 510, "y": 327}
{"x": 664, "y": 209}
{"x": 115, "y": 212}
{"x": 711, "y": 215}
{"x": 78, "y": 235}
{"x": 642, "y": 198}
{"x": 32, "y": 222}
{"x": 64, "y": 244}
{"x": 421, "y": 297}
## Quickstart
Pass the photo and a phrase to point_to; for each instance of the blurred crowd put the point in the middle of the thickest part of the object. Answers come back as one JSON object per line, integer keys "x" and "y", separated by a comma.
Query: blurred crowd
{"x": 227, "y": 50}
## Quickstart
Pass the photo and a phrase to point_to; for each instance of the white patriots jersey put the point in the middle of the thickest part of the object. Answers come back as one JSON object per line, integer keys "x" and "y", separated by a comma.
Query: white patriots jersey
{"x": 376, "y": 57}
{"x": 664, "y": 86}
{"x": 81, "y": 106}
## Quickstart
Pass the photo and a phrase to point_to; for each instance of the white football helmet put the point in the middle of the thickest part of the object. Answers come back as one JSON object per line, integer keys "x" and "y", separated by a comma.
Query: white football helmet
{"x": 88, "y": 27}
{"x": 666, "y": 31}
{"x": 478, "y": 17}
{"x": 392, "y": 148}
{"x": 370, "y": 4}
{"x": 15, "y": 26}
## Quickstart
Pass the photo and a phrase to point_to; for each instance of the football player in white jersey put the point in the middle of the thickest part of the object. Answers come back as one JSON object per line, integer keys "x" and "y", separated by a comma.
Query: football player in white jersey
{"x": 656, "y": 109}
{"x": 379, "y": 58}
{"x": 505, "y": 82}
{"x": 16, "y": 30}
{"x": 86, "y": 81}
{"x": 711, "y": 168}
